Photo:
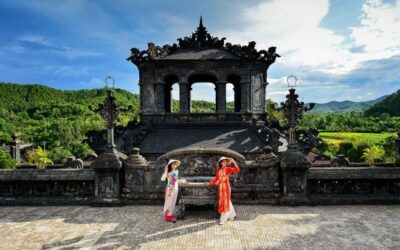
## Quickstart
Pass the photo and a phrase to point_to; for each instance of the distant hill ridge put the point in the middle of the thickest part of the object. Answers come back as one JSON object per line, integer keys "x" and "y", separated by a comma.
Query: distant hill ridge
{"x": 21, "y": 97}
{"x": 345, "y": 106}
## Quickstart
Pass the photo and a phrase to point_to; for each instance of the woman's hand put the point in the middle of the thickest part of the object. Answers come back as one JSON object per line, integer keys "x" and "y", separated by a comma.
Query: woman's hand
{"x": 183, "y": 181}
{"x": 209, "y": 184}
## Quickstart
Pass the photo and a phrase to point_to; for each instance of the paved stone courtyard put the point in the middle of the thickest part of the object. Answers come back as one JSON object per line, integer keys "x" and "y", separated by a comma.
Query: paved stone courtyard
{"x": 256, "y": 227}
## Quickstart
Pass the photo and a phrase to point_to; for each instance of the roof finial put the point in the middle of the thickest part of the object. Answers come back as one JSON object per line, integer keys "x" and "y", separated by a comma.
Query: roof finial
{"x": 201, "y": 21}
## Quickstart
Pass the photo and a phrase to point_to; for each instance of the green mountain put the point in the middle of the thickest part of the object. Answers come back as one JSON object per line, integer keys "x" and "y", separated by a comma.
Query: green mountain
{"x": 389, "y": 105}
{"x": 344, "y": 106}
{"x": 57, "y": 119}
{"x": 20, "y": 97}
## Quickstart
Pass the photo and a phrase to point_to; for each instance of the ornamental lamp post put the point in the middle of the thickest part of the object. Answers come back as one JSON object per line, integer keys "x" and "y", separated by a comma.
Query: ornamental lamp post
{"x": 108, "y": 164}
{"x": 293, "y": 110}
{"x": 109, "y": 111}
{"x": 294, "y": 164}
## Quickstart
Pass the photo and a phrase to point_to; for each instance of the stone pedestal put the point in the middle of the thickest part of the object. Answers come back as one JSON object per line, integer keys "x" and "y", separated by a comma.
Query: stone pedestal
{"x": 294, "y": 166}
{"x": 107, "y": 168}
{"x": 134, "y": 167}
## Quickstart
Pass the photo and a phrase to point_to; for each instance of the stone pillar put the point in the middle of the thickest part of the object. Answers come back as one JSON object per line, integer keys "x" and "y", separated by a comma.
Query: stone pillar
{"x": 264, "y": 95}
{"x": 294, "y": 166}
{"x": 184, "y": 97}
{"x": 160, "y": 97}
{"x": 107, "y": 168}
{"x": 141, "y": 93}
{"x": 245, "y": 96}
{"x": 220, "y": 97}
{"x": 134, "y": 167}
{"x": 168, "y": 103}
{"x": 237, "y": 98}
{"x": 14, "y": 148}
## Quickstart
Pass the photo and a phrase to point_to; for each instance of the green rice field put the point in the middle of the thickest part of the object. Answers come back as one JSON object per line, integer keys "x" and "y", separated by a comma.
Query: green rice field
{"x": 338, "y": 137}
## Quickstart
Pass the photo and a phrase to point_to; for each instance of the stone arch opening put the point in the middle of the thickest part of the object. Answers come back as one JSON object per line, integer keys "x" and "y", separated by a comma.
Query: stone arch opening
{"x": 171, "y": 93}
{"x": 202, "y": 93}
{"x": 230, "y": 97}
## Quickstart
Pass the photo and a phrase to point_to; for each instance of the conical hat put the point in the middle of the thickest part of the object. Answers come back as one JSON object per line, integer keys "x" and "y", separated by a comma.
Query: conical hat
{"x": 224, "y": 158}
{"x": 173, "y": 160}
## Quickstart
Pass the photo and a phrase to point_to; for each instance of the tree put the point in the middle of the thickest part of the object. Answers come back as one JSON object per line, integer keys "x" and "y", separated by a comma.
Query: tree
{"x": 39, "y": 157}
{"x": 59, "y": 154}
{"x": 6, "y": 161}
{"x": 389, "y": 146}
{"x": 274, "y": 113}
{"x": 372, "y": 154}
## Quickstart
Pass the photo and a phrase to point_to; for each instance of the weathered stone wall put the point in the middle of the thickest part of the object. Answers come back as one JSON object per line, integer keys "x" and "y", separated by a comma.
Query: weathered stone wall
{"x": 353, "y": 185}
{"x": 259, "y": 181}
{"x": 46, "y": 187}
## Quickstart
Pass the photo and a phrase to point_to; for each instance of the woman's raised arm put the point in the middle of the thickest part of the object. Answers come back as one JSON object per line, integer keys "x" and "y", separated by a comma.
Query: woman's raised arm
{"x": 235, "y": 168}
{"x": 164, "y": 175}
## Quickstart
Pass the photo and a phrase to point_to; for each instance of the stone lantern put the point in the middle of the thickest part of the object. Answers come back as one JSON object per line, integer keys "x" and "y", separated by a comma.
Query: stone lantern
{"x": 107, "y": 165}
{"x": 294, "y": 164}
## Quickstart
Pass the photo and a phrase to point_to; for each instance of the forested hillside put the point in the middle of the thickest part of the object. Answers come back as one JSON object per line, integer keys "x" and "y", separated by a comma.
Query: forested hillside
{"x": 390, "y": 106}
{"x": 54, "y": 118}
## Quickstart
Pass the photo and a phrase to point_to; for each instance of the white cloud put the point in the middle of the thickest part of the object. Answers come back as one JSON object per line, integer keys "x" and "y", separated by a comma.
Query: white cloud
{"x": 66, "y": 70}
{"x": 93, "y": 83}
{"x": 37, "y": 44}
{"x": 294, "y": 27}
{"x": 379, "y": 32}
{"x": 36, "y": 39}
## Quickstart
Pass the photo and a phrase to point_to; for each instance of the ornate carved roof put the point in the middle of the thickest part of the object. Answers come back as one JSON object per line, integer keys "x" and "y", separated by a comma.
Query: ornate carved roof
{"x": 202, "y": 46}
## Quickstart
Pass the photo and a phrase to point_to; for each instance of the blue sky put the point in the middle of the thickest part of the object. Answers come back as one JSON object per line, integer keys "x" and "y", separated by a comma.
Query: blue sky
{"x": 339, "y": 50}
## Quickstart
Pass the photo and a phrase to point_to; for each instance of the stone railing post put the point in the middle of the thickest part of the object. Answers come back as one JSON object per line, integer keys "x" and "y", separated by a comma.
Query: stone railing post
{"x": 134, "y": 167}
{"x": 107, "y": 183}
{"x": 294, "y": 167}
